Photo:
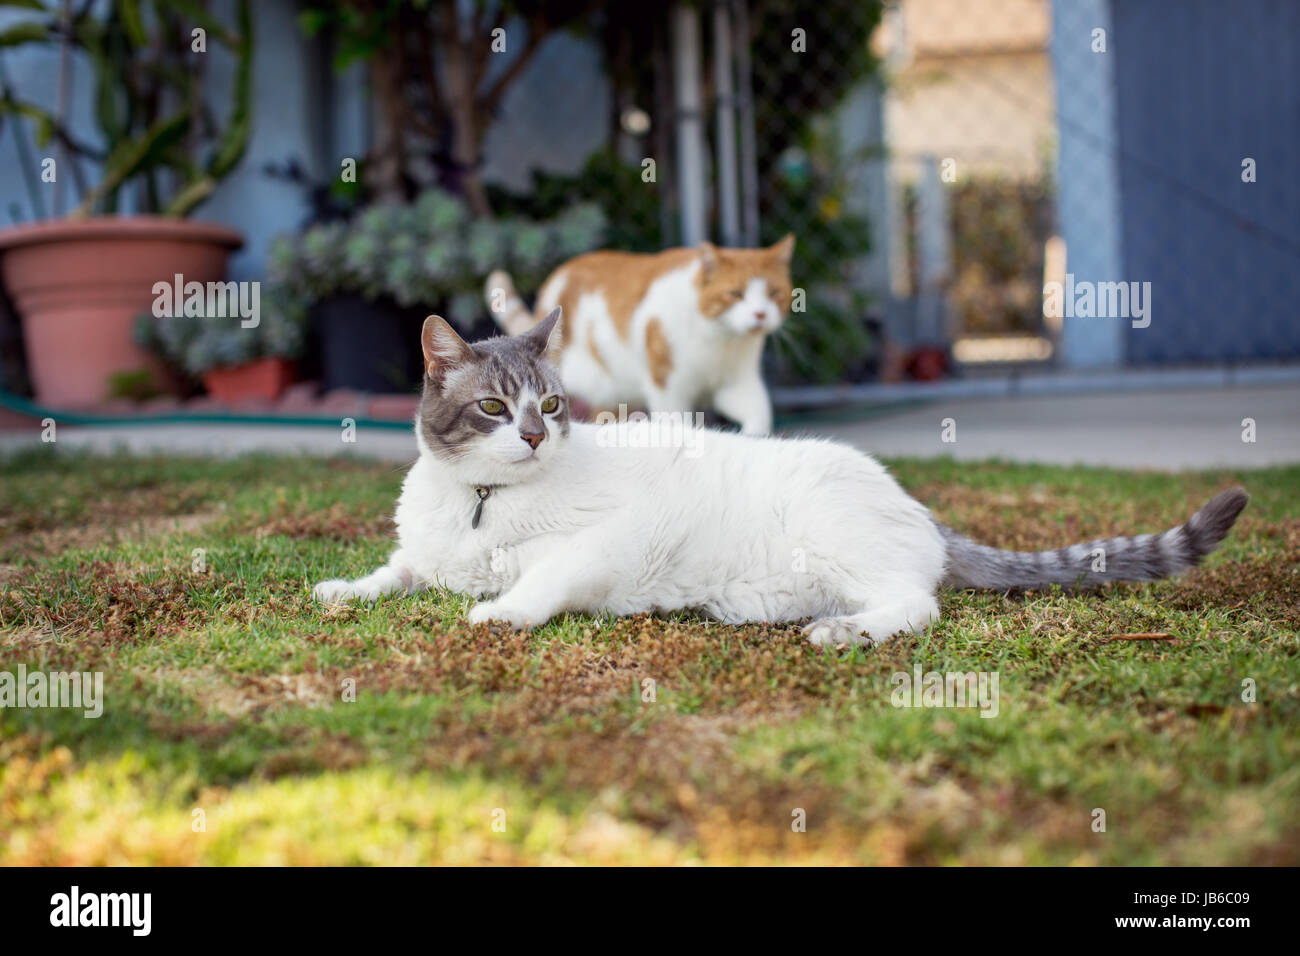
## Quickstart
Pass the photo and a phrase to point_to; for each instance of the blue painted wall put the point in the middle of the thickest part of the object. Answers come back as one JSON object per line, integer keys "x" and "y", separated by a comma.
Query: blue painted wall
{"x": 1202, "y": 84}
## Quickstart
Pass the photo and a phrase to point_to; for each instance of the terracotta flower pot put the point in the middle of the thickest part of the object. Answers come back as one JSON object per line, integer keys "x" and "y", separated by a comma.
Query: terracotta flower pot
{"x": 80, "y": 283}
{"x": 262, "y": 379}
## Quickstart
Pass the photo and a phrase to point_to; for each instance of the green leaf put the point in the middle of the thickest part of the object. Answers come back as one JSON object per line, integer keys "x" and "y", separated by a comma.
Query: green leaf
{"x": 43, "y": 121}
{"x": 191, "y": 196}
{"x": 179, "y": 159}
{"x": 197, "y": 16}
{"x": 109, "y": 113}
{"x": 312, "y": 22}
{"x": 133, "y": 22}
{"x": 135, "y": 156}
{"x": 230, "y": 149}
{"x": 30, "y": 32}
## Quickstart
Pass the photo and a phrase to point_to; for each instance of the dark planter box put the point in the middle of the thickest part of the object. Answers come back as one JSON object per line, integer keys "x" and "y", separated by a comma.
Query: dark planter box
{"x": 369, "y": 345}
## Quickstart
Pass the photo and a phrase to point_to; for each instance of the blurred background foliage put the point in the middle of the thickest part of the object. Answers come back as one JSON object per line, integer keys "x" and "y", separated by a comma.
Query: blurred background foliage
{"x": 154, "y": 124}
{"x": 1000, "y": 226}
{"x": 432, "y": 252}
{"x": 435, "y": 97}
{"x": 197, "y": 344}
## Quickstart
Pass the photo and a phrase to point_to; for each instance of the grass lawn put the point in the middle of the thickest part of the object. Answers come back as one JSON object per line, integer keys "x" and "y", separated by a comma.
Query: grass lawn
{"x": 224, "y": 693}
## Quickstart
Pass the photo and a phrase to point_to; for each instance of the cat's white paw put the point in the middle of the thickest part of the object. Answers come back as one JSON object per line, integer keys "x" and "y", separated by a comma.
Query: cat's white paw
{"x": 337, "y": 591}
{"x": 331, "y": 592}
{"x": 839, "y": 632}
{"x": 486, "y": 611}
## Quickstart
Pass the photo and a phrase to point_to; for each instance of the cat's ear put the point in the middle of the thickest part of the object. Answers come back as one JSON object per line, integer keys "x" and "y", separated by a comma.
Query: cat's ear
{"x": 547, "y": 336}
{"x": 708, "y": 256}
{"x": 443, "y": 348}
{"x": 784, "y": 249}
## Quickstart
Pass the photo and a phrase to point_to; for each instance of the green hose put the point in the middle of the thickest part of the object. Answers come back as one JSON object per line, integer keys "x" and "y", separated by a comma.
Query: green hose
{"x": 24, "y": 406}
{"x": 27, "y": 407}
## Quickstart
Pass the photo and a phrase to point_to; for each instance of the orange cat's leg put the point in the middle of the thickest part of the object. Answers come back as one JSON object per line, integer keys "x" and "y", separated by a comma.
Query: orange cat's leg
{"x": 745, "y": 402}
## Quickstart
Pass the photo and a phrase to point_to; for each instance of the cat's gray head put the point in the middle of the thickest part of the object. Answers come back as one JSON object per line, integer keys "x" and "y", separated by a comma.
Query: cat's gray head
{"x": 496, "y": 409}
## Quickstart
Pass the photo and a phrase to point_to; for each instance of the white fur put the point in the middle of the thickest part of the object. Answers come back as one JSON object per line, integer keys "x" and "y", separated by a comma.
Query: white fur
{"x": 740, "y": 529}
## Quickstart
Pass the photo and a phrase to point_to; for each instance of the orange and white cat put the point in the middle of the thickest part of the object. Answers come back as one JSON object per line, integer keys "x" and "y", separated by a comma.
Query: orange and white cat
{"x": 673, "y": 331}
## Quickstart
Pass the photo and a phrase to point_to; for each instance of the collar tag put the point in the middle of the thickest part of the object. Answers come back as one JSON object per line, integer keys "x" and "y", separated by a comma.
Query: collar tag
{"x": 482, "y": 491}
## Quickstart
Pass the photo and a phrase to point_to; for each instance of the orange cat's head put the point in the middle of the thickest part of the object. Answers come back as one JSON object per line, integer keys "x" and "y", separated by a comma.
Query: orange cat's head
{"x": 748, "y": 290}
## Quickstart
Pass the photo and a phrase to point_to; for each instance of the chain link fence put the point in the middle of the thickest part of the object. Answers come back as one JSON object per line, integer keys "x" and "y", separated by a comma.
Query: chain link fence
{"x": 945, "y": 163}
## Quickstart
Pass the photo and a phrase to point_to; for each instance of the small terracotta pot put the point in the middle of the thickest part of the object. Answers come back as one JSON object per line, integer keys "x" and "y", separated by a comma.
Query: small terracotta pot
{"x": 263, "y": 379}
{"x": 80, "y": 283}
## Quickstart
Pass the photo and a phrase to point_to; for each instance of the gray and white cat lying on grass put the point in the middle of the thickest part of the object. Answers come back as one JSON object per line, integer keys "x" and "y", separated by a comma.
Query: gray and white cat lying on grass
{"x": 536, "y": 515}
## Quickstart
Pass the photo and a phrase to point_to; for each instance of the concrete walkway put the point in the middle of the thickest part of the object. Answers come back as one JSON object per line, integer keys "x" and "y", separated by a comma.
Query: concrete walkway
{"x": 227, "y": 439}
{"x": 1165, "y": 430}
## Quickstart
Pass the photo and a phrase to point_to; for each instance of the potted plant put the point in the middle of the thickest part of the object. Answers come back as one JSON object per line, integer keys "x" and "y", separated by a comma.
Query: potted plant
{"x": 234, "y": 363}
{"x": 79, "y": 280}
{"x": 370, "y": 281}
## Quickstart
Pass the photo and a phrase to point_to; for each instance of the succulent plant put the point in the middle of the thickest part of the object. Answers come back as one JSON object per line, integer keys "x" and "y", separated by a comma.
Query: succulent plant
{"x": 428, "y": 253}
{"x": 577, "y": 228}
{"x": 440, "y": 211}
{"x": 532, "y": 243}
{"x": 486, "y": 245}
{"x": 442, "y": 261}
{"x": 282, "y": 260}
{"x": 322, "y": 251}
{"x": 462, "y": 307}
{"x": 196, "y": 344}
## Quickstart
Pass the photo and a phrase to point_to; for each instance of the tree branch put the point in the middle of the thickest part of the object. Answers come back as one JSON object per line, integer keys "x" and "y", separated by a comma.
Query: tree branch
{"x": 538, "y": 30}
{"x": 483, "y": 46}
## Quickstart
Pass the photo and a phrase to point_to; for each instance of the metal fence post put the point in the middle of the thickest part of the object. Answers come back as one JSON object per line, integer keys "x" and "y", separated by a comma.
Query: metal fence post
{"x": 690, "y": 140}
{"x": 728, "y": 198}
{"x": 933, "y": 253}
{"x": 748, "y": 139}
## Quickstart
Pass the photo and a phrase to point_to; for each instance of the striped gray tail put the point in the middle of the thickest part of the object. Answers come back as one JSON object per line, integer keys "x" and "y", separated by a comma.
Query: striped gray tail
{"x": 1142, "y": 558}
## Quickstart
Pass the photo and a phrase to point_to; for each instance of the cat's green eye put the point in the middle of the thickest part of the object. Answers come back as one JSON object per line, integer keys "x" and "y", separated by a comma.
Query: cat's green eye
{"x": 551, "y": 404}
{"x": 492, "y": 406}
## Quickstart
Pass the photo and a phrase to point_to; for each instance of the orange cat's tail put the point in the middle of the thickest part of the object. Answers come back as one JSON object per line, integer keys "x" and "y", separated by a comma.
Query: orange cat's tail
{"x": 508, "y": 310}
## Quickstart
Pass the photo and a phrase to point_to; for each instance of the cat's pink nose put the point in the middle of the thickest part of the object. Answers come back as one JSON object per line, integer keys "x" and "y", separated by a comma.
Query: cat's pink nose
{"x": 533, "y": 438}
{"x": 761, "y": 316}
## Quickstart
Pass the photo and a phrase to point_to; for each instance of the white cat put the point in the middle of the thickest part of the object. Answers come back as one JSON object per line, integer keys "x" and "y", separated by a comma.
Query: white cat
{"x": 537, "y": 516}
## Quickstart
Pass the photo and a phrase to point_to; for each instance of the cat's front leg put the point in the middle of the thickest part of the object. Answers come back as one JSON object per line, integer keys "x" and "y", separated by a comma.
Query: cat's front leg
{"x": 909, "y": 614}
{"x": 531, "y": 605}
{"x": 745, "y": 402}
{"x": 577, "y": 577}
{"x": 396, "y": 575}
{"x": 662, "y": 400}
